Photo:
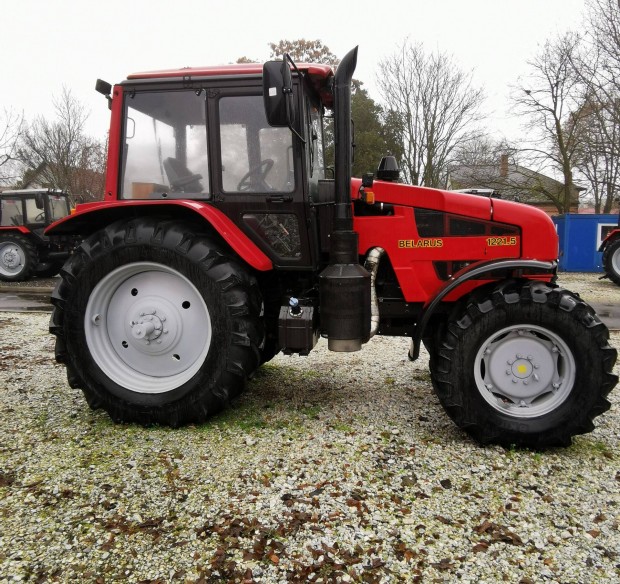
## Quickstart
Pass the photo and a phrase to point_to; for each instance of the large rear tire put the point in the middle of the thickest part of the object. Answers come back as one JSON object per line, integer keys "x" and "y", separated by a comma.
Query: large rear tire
{"x": 155, "y": 323}
{"x": 18, "y": 256}
{"x": 47, "y": 269}
{"x": 611, "y": 261}
{"x": 527, "y": 365}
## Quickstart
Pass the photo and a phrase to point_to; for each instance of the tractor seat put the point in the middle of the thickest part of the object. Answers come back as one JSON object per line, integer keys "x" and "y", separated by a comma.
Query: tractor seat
{"x": 181, "y": 178}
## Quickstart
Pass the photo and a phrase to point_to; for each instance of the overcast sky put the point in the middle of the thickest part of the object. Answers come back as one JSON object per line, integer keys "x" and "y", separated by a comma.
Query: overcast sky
{"x": 50, "y": 43}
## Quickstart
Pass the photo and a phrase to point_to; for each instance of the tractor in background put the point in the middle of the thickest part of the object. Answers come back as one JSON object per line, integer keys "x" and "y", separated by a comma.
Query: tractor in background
{"x": 25, "y": 250}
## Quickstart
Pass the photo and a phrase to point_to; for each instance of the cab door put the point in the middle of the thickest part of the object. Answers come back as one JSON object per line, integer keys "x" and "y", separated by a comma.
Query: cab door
{"x": 259, "y": 177}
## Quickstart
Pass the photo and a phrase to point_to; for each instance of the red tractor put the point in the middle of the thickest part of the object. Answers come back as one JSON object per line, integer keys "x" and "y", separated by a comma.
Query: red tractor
{"x": 611, "y": 255}
{"x": 222, "y": 242}
{"x": 24, "y": 249}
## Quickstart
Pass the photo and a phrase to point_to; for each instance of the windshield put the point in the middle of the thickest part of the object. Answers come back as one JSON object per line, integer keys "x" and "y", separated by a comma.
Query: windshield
{"x": 11, "y": 212}
{"x": 165, "y": 146}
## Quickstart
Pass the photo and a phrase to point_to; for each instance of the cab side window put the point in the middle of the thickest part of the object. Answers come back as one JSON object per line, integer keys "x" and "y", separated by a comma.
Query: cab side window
{"x": 255, "y": 157}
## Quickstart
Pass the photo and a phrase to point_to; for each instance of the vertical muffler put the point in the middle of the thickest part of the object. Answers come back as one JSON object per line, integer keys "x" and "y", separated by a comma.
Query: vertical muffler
{"x": 344, "y": 286}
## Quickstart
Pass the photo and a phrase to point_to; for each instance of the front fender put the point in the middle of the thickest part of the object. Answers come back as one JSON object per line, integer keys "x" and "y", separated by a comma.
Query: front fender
{"x": 475, "y": 271}
{"x": 93, "y": 216}
{"x": 612, "y": 236}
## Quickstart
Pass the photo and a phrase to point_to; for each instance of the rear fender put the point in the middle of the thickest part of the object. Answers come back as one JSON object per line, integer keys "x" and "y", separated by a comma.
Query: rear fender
{"x": 476, "y": 271}
{"x": 18, "y": 228}
{"x": 91, "y": 217}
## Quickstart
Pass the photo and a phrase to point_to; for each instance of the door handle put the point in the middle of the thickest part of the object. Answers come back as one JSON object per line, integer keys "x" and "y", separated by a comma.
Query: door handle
{"x": 279, "y": 199}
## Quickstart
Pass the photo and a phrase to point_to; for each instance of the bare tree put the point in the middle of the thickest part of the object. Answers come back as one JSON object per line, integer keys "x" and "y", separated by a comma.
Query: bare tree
{"x": 598, "y": 67}
{"x": 598, "y": 151}
{"x": 59, "y": 154}
{"x": 11, "y": 130}
{"x": 549, "y": 99}
{"x": 483, "y": 150}
{"x": 437, "y": 108}
{"x": 485, "y": 162}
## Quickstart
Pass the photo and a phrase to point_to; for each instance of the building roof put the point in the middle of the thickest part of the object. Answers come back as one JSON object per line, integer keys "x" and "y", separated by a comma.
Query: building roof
{"x": 513, "y": 181}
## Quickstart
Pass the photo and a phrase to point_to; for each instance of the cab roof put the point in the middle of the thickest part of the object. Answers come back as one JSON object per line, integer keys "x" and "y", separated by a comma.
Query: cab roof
{"x": 319, "y": 75}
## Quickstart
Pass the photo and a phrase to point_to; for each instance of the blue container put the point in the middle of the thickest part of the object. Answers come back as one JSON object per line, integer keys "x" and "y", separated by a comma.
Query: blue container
{"x": 580, "y": 238}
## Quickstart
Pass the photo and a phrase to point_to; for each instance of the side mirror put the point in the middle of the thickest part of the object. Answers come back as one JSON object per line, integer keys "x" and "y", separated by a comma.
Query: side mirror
{"x": 105, "y": 89}
{"x": 38, "y": 201}
{"x": 278, "y": 93}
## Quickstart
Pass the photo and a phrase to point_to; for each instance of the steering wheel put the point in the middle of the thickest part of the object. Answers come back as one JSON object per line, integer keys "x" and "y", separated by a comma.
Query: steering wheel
{"x": 258, "y": 172}
{"x": 40, "y": 218}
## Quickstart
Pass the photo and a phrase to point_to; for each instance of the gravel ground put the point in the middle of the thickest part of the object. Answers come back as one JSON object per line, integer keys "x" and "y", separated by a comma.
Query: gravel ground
{"x": 330, "y": 468}
{"x": 32, "y": 283}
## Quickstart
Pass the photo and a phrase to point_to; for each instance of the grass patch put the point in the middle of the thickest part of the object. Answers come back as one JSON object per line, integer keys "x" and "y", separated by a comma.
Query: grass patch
{"x": 594, "y": 448}
{"x": 278, "y": 373}
{"x": 245, "y": 419}
{"x": 342, "y": 427}
{"x": 311, "y": 412}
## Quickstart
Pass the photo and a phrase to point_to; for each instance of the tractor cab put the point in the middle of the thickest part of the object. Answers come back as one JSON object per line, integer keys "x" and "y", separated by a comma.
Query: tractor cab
{"x": 34, "y": 209}
{"x": 203, "y": 135}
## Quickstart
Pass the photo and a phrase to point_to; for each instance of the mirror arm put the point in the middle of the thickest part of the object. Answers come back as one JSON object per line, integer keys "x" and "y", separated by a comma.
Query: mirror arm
{"x": 301, "y": 138}
{"x": 287, "y": 57}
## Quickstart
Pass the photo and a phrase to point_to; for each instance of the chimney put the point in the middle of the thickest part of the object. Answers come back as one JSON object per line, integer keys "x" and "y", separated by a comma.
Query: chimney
{"x": 503, "y": 166}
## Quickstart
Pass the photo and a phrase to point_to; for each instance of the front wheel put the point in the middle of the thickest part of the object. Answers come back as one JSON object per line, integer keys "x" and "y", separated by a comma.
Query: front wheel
{"x": 611, "y": 261}
{"x": 155, "y": 323}
{"x": 527, "y": 365}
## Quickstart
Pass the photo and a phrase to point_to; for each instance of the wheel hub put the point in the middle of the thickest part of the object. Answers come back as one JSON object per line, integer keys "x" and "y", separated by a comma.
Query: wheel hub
{"x": 522, "y": 368}
{"x": 148, "y": 326}
{"x": 10, "y": 258}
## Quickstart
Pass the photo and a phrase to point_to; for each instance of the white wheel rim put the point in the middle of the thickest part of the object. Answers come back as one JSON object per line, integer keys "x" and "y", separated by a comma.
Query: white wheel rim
{"x": 615, "y": 261}
{"x": 525, "y": 371}
{"x": 147, "y": 327}
{"x": 12, "y": 259}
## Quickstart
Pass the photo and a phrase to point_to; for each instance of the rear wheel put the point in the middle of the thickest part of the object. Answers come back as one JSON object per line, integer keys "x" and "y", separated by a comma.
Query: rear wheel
{"x": 155, "y": 323}
{"x": 17, "y": 258}
{"x": 527, "y": 365}
{"x": 611, "y": 261}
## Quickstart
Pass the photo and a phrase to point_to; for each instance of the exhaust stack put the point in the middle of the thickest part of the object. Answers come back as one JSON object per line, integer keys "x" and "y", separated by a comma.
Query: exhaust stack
{"x": 344, "y": 286}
